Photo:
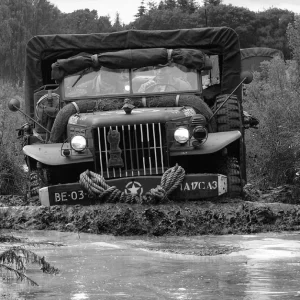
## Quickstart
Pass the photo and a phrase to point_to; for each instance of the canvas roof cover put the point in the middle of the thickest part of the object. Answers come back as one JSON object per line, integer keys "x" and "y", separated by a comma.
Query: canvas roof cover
{"x": 43, "y": 51}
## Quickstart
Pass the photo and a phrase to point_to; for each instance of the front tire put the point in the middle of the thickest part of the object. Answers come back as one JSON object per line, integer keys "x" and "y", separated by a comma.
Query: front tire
{"x": 231, "y": 168}
{"x": 229, "y": 117}
{"x": 39, "y": 178}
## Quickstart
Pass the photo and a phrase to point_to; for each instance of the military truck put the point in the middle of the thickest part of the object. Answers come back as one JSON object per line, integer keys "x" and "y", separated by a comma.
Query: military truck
{"x": 126, "y": 116}
{"x": 253, "y": 57}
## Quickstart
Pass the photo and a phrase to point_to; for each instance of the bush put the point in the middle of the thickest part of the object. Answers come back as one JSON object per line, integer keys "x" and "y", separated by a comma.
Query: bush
{"x": 273, "y": 97}
{"x": 12, "y": 174}
{"x": 273, "y": 149}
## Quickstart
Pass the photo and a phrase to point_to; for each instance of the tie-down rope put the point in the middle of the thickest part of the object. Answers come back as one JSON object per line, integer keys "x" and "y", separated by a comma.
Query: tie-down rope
{"x": 96, "y": 186}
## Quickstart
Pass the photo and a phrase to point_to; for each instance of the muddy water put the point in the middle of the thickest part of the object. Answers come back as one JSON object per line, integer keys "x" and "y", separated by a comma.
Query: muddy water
{"x": 264, "y": 266}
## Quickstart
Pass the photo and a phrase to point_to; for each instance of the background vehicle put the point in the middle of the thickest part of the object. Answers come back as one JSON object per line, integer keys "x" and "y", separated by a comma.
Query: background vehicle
{"x": 253, "y": 57}
{"x": 130, "y": 106}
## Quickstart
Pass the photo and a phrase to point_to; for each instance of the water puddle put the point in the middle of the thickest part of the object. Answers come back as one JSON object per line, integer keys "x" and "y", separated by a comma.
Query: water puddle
{"x": 264, "y": 266}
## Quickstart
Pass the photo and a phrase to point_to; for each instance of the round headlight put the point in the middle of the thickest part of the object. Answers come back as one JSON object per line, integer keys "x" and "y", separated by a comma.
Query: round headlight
{"x": 181, "y": 135}
{"x": 78, "y": 143}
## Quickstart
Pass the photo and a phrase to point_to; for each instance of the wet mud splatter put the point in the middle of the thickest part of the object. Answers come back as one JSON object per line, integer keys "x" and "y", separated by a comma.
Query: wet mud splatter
{"x": 226, "y": 216}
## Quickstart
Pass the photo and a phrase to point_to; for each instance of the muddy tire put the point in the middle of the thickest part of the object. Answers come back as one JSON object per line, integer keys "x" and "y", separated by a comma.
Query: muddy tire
{"x": 231, "y": 168}
{"x": 38, "y": 180}
{"x": 229, "y": 117}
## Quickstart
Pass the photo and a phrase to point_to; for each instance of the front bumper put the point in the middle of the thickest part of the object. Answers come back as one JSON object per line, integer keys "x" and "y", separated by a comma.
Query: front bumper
{"x": 194, "y": 187}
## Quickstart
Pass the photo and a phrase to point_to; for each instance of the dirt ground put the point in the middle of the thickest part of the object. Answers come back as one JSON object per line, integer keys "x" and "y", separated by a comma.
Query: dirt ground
{"x": 271, "y": 210}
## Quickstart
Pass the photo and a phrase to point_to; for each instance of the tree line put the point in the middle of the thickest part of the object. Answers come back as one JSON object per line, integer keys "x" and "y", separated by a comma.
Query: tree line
{"x": 22, "y": 19}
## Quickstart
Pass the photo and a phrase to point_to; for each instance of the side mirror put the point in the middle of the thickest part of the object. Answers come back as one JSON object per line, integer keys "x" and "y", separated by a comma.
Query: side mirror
{"x": 14, "y": 104}
{"x": 247, "y": 77}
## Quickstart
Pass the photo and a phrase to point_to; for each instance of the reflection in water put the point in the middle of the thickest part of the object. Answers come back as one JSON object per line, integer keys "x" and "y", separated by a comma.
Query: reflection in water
{"x": 79, "y": 296}
{"x": 270, "y": 273}
{"x": 101, "y": 267}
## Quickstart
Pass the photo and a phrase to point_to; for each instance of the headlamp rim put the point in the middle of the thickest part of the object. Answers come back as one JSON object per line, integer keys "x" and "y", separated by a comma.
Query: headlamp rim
{"x": 78, "y": 150}
{"x": 187, "y": 130}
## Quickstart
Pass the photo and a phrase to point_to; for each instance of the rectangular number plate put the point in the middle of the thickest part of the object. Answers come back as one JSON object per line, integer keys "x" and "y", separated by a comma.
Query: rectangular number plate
{"x": 194, "y": 187}
{"x": 70, "y": 194}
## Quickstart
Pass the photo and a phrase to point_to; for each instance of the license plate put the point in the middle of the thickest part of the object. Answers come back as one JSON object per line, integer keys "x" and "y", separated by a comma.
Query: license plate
{"x": 69, "y": 194}
{"x": 194, "y": 187}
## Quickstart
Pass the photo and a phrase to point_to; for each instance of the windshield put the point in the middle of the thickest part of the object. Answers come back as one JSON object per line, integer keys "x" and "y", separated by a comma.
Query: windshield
{"x": 153, "y": 79}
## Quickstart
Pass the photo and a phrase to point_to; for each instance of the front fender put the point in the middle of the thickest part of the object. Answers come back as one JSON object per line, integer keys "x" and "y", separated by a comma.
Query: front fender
{"x": 51, "y": 154}
{"x": 215, "y": 142}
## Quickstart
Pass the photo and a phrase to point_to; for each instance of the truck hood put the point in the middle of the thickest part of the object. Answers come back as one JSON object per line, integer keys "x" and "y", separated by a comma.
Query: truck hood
{"x": 137, "y": 116}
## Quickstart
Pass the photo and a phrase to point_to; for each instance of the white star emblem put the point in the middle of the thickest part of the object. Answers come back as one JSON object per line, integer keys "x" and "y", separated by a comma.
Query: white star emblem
{"x": 134, "y": 188}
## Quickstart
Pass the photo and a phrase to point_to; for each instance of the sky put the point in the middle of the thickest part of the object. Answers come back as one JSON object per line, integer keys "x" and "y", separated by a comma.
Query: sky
{"x": 127, "y": 9}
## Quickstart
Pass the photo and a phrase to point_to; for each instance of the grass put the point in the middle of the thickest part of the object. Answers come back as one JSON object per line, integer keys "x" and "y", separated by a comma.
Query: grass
{"x": 12, "y": 176}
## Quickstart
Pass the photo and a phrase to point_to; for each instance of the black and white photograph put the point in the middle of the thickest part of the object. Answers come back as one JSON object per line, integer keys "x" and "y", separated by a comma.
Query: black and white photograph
{"x": 149, "y": 150}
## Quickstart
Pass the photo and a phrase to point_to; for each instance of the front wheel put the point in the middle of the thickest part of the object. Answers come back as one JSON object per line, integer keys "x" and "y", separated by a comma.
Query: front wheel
{"x": 228, "y": 117}
{"x": 39, "y": 178}
{"x": 231, "y": 168}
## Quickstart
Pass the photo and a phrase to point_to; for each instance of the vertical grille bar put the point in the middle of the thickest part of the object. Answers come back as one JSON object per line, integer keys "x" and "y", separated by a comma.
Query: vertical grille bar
{"x": 161, "y": 147}
{"x": 143, "y": 152}
{"x": 105, "y": 146}
{"x": 137, "y": 150}
{"x": 130, "y": 149}
{"x": 120, "y": 171}
{"x": 154, "y": 148}
{"x": 100, "y": 151}
{"x": 124, "y": 149}
{"x": 114, "y": 169}
{"x": 149, "y": 153}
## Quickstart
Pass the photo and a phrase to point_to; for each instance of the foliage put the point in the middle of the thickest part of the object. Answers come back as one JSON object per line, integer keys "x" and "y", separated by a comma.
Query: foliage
{"x": 270, "y": 29}
{"x": 80, "y": 21}
{"x": 273, "y": 149}
{"x": 255, "y": 29}
{"x": 12, "y": 176}
{"x": 20, "y": 20}
{"x": 293, "y": 33}
{"x": 273, "y": 97}
{"x": 15, "y": 259}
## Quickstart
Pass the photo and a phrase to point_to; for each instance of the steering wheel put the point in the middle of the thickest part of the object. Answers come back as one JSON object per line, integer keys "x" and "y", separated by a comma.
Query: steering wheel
{"x": 166, "y": 85}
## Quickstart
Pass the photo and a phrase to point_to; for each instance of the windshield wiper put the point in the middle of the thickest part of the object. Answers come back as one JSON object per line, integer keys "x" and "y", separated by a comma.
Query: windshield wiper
{"x": 80, "y": 76}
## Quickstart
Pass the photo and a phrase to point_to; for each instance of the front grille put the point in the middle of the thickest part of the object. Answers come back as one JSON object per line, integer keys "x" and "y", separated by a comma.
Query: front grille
{"x": 144, "y": 150}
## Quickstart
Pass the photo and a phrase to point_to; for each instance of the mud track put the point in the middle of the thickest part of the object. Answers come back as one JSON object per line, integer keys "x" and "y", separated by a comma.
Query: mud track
{"x": 219, "y": 216}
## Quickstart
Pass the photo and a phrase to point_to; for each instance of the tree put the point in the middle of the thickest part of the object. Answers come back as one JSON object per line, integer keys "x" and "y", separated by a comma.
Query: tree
{"x": 212, "y": 2}
{"x": 166, "y": 19}
{"x": 45, "y": 18}
{"x": 271, "y": 26}
{"x": 80, "y": 21}
{"x": 104, "y": 24}
{"x": 293, "y": 34}
{"x": 117, "y": 24}
{"x": 141, "y": 10}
